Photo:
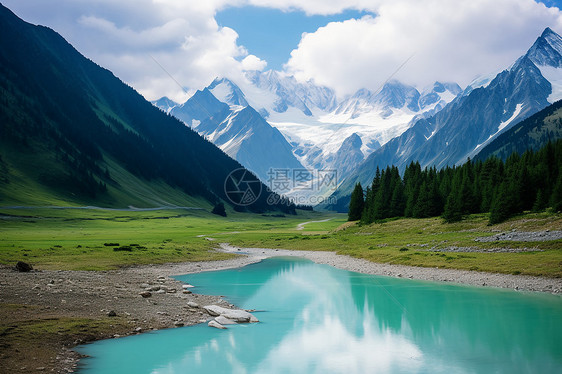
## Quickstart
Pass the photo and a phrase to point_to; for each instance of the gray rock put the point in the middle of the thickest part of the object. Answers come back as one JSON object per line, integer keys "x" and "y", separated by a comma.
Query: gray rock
{"x": 216, "y": 325}
{"x": 224, "y": 321}
{"x": 233, "y": 314}
{"x": 145, "y": 294}
{"x": 214, "y": 310}
{"x": 23, "y": 267}
{"x": 192, "y": 304}
{"x": 179, "y": 324}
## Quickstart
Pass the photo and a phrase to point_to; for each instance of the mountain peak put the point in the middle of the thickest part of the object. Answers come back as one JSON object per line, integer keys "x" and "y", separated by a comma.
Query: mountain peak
{"x": 547, "y": 49}
{"x": 165, "y": 103}
{"x": 548, "y": 31}
{"x": 228, "y": 92}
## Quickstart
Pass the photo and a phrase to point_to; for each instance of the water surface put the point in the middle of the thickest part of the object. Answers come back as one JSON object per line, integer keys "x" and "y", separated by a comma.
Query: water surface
{"x": 318, "y": 319}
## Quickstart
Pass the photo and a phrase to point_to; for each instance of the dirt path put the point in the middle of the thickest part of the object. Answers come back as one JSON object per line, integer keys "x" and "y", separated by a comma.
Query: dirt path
{"x": 300, "y": 226}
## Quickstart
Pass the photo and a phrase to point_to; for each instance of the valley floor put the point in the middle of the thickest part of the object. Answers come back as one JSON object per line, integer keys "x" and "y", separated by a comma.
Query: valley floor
{"x": 45, "y": 313}
{"x": 87, "y": 288}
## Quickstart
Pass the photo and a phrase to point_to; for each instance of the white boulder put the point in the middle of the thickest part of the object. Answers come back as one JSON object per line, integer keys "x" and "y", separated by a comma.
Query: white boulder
{"x": 216, "y": 325}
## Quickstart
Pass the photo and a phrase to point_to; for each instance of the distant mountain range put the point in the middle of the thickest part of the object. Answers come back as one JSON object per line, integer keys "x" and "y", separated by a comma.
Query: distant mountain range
{"x": 70, "y": 131}
{"x": 464, "y": 127}
{"x": 438, "y": 126}
{"x": 302, "y": 125}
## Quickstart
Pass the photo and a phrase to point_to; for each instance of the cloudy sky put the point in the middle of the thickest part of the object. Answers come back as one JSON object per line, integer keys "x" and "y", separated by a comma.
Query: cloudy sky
{"x": 343, "y": 44}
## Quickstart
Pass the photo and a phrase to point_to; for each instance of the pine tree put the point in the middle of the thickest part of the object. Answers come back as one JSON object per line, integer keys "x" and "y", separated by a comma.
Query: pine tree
{"x": 356, "y": 204}
{"x": 412, "y": 183}
{"x": 505, "y": 203}
{"x": 467, "y": 197}
{"x": 367, "y": 207}
{"x": 556, "y": 197}
{"x": 421, "y": 208}
{"x": 541, "y": 201}
{"x": 219, "y": 209}
{"x": 453, "y": 209}
{"x": 398, "y": 200}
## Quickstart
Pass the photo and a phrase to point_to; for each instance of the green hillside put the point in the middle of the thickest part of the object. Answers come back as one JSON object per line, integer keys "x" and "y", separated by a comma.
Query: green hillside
{"x": 73, "y": 133}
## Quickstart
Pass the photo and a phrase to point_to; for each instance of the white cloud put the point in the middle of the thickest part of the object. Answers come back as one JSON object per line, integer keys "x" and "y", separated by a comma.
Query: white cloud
{"x": 313, "y": 7}
{"x": 449, "y": 40}
{"x": 252, "y": 62}
{"x": 127, "y": 37}
{"x": 452, "y": 40}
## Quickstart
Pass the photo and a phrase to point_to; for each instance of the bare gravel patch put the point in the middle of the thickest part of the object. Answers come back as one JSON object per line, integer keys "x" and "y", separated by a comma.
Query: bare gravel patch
{"x": 485, "y": 250}
{"x": 133, "y": 300}
{"x": 522, "y": 236}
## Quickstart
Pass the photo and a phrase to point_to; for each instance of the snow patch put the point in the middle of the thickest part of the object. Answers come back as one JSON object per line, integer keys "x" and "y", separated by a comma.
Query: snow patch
{"x": 484, "y": 142}
{"x": 554, "y": 76}
{"x": 430, "y": 136}
{"x": 222, "y": 92}
{"x": 502, "y": 126}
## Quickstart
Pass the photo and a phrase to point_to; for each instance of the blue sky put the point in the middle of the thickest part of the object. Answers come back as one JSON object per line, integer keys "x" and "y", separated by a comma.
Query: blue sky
{"x": 272, "y": 34}
{"x": 348, "y": 45}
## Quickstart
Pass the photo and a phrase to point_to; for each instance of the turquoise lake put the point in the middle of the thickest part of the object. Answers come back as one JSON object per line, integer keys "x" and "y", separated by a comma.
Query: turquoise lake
{"x": 318, "y": 319}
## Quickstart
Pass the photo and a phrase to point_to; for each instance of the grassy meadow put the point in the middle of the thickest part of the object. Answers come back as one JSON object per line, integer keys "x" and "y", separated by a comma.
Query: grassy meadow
{"x": 94, "y": 239}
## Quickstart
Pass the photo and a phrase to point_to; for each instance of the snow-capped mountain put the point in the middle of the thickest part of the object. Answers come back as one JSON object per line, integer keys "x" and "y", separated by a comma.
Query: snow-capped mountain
{"x": 316, "y": 123}
{"x": 227, "y": 92}
{"x": 546, "y": 54}
{"x": 165, "y": 104}
{"x": 237, "y": 129}
{"x": 245, "y": 136}
{"x": 201, "y": 106}
{"x": 289, "y": 93}
{"x": 320, "y": 132}
{"x": 483, "y": 111}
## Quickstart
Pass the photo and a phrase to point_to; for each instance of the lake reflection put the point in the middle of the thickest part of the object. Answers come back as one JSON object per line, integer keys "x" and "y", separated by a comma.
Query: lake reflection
{"x": 317, "y": 319}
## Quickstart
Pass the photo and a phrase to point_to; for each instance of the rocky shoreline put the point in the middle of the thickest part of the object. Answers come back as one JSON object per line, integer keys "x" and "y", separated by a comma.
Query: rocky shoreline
{"x": 475, "y": 278}
{"x": 146, "y": 297}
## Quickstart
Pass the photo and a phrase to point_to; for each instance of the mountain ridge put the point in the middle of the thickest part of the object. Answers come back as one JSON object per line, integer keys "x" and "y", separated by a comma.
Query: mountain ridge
{"x": 466, "y": 124}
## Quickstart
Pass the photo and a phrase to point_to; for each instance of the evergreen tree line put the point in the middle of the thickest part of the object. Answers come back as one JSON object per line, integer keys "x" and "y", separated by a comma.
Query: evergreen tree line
{"x": 532, "y": 181}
